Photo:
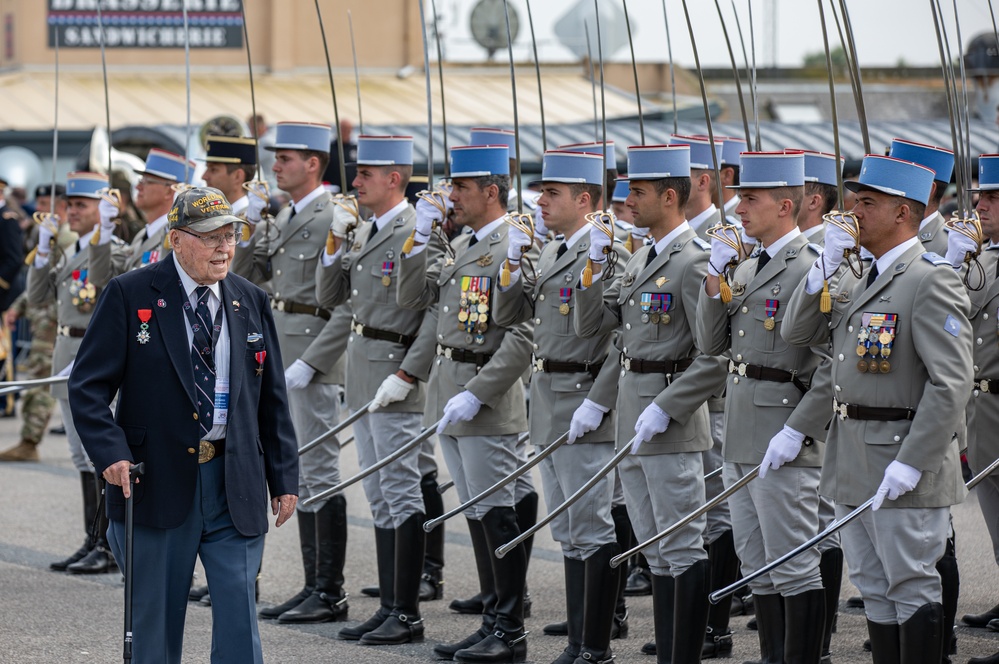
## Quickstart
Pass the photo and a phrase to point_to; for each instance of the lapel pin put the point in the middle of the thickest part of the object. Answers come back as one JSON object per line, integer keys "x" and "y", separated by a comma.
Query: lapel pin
{"x": 660, "y": 281}
{"x": 161, "y": 303}
{"x": 484, "y": 260}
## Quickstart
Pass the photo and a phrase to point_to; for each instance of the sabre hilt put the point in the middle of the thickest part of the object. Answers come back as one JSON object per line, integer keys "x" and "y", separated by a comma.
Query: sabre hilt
{"x": 728, "y": 234}
{"x": 604, "y": 221}
{"x": 438, "y": 198}
{"x": 525, "y": 224}
{"x": 848, "y": 223}
{"x": 112, "y": 196}
{"x": 971, "y": 228}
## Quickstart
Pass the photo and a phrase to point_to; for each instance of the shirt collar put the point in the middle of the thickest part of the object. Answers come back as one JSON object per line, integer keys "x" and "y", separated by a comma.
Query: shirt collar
{"x": 672, "y": 235}
{"x": 815, "y": 232}
{"x": 779, "y": 244}
{"x": 190, "y": 284}
{"x": 154, "y": 227}
{"x": 308, "y": 198}
{"x": 699, "y": 220}
{"x": 391, "y": 214}
{"x": 928, "y": 220}
{"x": 489, "y": 229}
{"x": 578, "y": 236}
{"x": 240, "y": 204}
{"x": 885, "y": 262}
{"x": 84, "y": 240}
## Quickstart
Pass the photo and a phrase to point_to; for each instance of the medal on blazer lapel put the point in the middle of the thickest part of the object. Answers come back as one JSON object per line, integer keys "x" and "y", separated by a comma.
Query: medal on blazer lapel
{"x": 144, "y": 315}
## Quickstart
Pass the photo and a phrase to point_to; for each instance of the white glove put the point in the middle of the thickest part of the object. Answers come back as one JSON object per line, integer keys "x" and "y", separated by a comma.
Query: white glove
{"x": 343, "y": 222}
{"x": 652, "y": 421}
{"x": 391, "y": 390}
{"x": 108, "y": 212}
{"x": 518, "y": 243}
{"x": 45, "y": 237}
{"x": 587, "y": 417}
{"x": 68, "y": 370}
{"x": 783, "y": 447}
{"x": 426, "y": 214}
{"x": 298, "y": 375}
{"x": 598, "y": 242}
{"x": 899, "y": 479}
{"x": 540, "y": 230}
{"x": 837, "y": 240}
{"x": 460, "y": 408}
{"x": 958, "y": 245}
{"x": 256, "y": 201}
{"x": 721, "y": 253}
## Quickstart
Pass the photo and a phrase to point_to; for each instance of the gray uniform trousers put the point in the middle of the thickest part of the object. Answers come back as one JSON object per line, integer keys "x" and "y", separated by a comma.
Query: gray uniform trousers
{"x": 478, "y": 462}
{"x": 524, "y": 484}
{"x": 720, "y": 518}
{"x": 586, "y": 525}
{"x": 76, "y": 452}
{"x": 827, "y": 514}
{"x": 394, "y": 491}
{"x": 771, "y": 516}
{"x": 315, "y": 409}
{"x": 891, "y": 555}
{"x": 660, "y": 490}
{"x": 988, "y": 499}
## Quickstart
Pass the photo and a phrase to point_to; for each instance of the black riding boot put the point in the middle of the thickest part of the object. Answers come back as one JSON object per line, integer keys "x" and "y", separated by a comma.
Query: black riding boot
{"x": 770, "y": 618}
{"x": 527, "y": 516}
{"x": 88, "y": 482}
{"x": 831, "y": 569}
{"x": 99, "y": 559}
{"x": 307, "y": 543}
{"x": 599, "y": 606}
{"x": 921, "y": 636}
{"x": 690, "y": 614}
{"x": 663, "y": 607}
{"x": 404, "y": 624}
{"x": 950, "y": 584}
{"x": 625, "y": 537}
{"x": 486, "y": 597}
{"x": 327, "y": 603}
{"x": 885, "y": 647}
{"x": 724, "y": 568}
{"x": 432, "y": 582}
{"x": 804, "y": 624}
{"x": 385, "y": 539}
{"x": 575, "y": 598}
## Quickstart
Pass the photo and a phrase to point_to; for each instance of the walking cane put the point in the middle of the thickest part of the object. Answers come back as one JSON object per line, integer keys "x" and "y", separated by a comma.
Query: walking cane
{"x": 133, "y": 473}
{"x": 719, "y": 595}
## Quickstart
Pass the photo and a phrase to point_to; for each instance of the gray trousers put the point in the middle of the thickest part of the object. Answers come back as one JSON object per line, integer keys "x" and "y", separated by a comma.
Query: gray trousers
{"x": 617, "y": 496}
{"x": 524, "y": 484}
{"x": 892, "y": 556}
{"x": 76, "y": 452}
{"x": 478, "y": 462}
{"x": 720, "y": 518}
{"x": 315, "y": 409}
{"x": 988, "y": 500}
{"x": 660, "y": 490}
{"x": 393, "y": 492}
{"x": 586, "y": 525}
{"x": 771, "y": 516}
{"x": 827, "y": 514}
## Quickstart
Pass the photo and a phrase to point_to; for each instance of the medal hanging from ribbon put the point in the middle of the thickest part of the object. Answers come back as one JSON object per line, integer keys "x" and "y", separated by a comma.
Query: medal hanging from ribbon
{"x": 875, "y": 339}
{"x": 473, "y": 308}
{"x": 84, "y": 293}
{"x": 144, "y": 315}
{"x": 387, "y": 267}
{"x": 665, "y": 304}
{"x": 260, "y": 356}
{"x": 150, "y": 257}
{"x": 564, "y": 295}
{"x": 646, "y": 302}
{"x": 771, "y": 310}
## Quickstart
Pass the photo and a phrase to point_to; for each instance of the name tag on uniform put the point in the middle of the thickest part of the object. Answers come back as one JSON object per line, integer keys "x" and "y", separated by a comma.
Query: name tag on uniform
{"x": 221, "y": 412}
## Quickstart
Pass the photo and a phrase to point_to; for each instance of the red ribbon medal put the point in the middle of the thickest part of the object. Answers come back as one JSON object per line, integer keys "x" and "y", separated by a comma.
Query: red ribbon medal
{"x": 260, "y": 355}
{"x": 144, "y": 315}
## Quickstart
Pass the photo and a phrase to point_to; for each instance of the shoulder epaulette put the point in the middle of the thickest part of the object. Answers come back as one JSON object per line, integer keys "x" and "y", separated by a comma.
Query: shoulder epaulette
{"x": 816, "y": 248}
{"x": 936, "y": 259}
{"x": 703, "y": 244}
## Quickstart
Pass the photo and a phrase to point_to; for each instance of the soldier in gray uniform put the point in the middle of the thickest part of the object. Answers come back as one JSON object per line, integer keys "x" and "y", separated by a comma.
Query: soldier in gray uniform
{"x": 731, "y": 149}
{"x": 983, "y": 411}
{"x": 155, "y": 198}
{"x": 286, "y": 252}
{"x": 771, "y": 415}
{"x": 573, "y": 389}
{"x": 941, "y": 161}
{"x": 475, "y": 389}
{"x": 62, "y": 277}
{"x": 390, "y": 352}
{"x": 894, "y": 431}
{"x": 663, "y": 385}
{"x": 231, "y": 162}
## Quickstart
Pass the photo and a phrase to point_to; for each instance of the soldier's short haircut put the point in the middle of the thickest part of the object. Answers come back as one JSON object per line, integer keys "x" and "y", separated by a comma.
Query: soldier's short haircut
{"x": 735, "y": 173}
{"x": 323, "y": 157}
{"x": 938, "y": 191}
{"x": 680, "y": 185}
{"x": 795, "y": 194}
{"x": 502, "y": 183}
{"x": 594, "y": 190}
{"x": 917, "y": 210}
{"x": 405, "y": 172}
{"x": 249, "y": 170}
{"x": 829, "y": 193}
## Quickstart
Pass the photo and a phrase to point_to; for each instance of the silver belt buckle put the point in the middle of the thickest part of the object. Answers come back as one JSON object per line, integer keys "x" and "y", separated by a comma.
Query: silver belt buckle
{"x": 742, "y": 368}
{"x": 839, "y": 409}
{"x": 447, "y": 353}
{"x": 627, "y": 364}
{"x": 983, "y": 385}
{"x": 539, "y": 364}
{"x": 357, "y": 328}
{"x": 280, "y": 305}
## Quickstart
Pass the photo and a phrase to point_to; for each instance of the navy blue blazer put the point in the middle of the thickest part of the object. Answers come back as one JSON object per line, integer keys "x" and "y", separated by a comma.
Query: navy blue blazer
{"x": 156, "y": 420}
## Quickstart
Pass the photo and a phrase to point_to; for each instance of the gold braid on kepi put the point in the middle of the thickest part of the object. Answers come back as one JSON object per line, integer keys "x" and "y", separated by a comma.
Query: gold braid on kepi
{"x": 721, "y": 232}
{"x": 971, "y": 228}
{"x": 846, "y": 222}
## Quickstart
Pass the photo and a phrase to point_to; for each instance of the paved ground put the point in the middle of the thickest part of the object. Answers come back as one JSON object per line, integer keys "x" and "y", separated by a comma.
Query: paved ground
{"x": 51, "y": 617}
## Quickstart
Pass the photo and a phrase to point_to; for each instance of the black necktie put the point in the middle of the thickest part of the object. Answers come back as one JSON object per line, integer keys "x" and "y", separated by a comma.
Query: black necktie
{"x": 202, "y": 354}
{"x": 77, "y": 248}
{"x": 873, "y": 274}
{"x": 762, "y": 261}
{"x": 374, "y": 231}
{"x": 474, "y": 239}
{"x": 651, "y": 257}
{"x": 561, "y": 251}
{"x": 292, "y": 215}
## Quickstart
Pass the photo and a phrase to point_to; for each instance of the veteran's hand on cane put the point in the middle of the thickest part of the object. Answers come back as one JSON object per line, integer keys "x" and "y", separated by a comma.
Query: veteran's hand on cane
{"x": 783, "y": 447}
{"x": 392, "y": 389}
{"x": 958, "y": 246}
{"x": 283, "y": 507}
{"x": 586, "y": 418}
{"x": 298, "y": 375}
{"x": 460, "y": 408}
{"x": 721, "y": 253}
{"x": 117, "y": 474}
{"x": 899, "y": 479}
{"x": 653, "y": 420}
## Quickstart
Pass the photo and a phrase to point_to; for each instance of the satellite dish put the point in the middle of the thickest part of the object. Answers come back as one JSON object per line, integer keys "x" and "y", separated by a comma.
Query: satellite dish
{"x": 488, "y": 25}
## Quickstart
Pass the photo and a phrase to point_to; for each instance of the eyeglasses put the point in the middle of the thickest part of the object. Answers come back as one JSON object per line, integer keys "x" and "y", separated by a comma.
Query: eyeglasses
{"x": 213, "y": 241}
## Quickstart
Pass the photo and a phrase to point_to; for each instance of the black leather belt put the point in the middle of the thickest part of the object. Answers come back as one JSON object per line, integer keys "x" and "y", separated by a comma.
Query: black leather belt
{"x": 986, "y": 385}
{"x": 209, "y": 449}
{"x": 554, "y": 366}
{"x": 298, "y": 308}
{"x": 75, "y": 332}
{"x": 383, "y": 335}
{"x": 855, "y": 412}
{"x": 769, "y": 374}
{"x": 462, "y": 355}
{"x": 667, "y": 367}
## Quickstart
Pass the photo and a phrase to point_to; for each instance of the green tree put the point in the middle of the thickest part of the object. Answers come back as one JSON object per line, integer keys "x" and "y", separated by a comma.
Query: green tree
{"x": 817, "y": 59}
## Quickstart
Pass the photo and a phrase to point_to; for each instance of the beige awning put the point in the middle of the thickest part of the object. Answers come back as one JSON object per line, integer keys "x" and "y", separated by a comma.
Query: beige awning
{"x": 474, "y": 96}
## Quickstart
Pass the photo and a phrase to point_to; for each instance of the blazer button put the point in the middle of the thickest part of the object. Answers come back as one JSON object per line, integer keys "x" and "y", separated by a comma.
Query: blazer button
{"x": 745, "y": 310}
{"x": 738, "y": 358}
{"x": 784, "y": 401}
{"x": 627, "y": 326}
{"x": 354, "y": 292}
{"x": 190, "y": 450}
{"x": 195, "y": 416}
{"x": 841, "y": 357}
{"x": 281, "y": 250}
{"x": 391, "y": 356}
{"x": 301, "y": 256}
{"x": 308, "y": 331}
{"x": 742, "y": 333}
{"x": 535, "y": 346}
{"x": 735, "y": 380}
{"x": 849, "y": 328}
{"x": 446, "y": 308}
{"x": 542, "y": 297}
{"x": 578, "y": 386}
{"x": 978, "y": 341}
{"x": 631, "y": 303}
{"x": 898, "y": 438}
{"x": 537, "y": 321}
{"x": 453, "y": 282}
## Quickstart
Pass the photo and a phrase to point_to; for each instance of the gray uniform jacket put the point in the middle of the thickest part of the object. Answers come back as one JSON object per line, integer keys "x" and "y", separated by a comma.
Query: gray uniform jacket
{"x": 983, "y": 408}
{"x": 55, "y": 281}
{"x": 555, "y": 396}
{"x": 357, "y": 273}
{"x": 934, "y": 235}
{"x": 930, "y": 373}
{"x": 677, "y": 272}
{"x": 288, "y": 256}
{"x": 757, "y": 409}
{"x": 496, "y": 382}
{"x": 106, "y": 264}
